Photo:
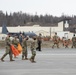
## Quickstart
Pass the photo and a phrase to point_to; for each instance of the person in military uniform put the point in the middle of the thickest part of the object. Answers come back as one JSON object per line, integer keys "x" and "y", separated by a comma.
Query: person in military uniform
{"x": 55, "y": 40}
{"x": 24, "y": 46}
{"x": 73, "y": 41}
{"x": 33, "y": 49}
{"x": 39, "y": 41}
{"x": 20, "y": 38}
{"x": 15, "y": 43}
{"x": 66, "y": 43}
{"x": 8, "y": 49}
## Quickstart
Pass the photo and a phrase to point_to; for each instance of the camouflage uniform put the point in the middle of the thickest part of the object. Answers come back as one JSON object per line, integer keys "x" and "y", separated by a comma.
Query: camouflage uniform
{"x": 33, "y": 49}
{"x": 15, "y": 43}
{"x": 74, "y": 42}
{"x": 24, "y": 51}
{"x": 56, "y": 41}
{"x": 66, "y": 43}
{"x": 8, "y": 49}
{"x": 20, "y": 39}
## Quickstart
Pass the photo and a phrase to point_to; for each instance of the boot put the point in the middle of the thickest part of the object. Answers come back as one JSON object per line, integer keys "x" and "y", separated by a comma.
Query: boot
{"x": 33, "y": 61}
{"x": 26, "y": 56}
{"x": 2, "y": 60}
{"x": 3, "y": 57}
{"x": 11, "y": 58}
{"x": 23, "y": 59}
{"x": 31, "y": 58}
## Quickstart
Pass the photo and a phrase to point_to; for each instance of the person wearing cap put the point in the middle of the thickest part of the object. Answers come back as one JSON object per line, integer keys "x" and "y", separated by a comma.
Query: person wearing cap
{"x": 8, "y": 49}
{"x": 33, "y": 49}
{"x": 55, "y": 40}
{"x": 24, "y": 47}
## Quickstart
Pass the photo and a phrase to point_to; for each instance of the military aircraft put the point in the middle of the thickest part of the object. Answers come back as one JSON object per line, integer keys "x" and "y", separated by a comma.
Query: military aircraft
{"x": 5, "y": 31}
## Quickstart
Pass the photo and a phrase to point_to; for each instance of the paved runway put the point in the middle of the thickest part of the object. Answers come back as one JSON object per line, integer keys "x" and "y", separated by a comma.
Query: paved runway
{"x": 48, "y": 62}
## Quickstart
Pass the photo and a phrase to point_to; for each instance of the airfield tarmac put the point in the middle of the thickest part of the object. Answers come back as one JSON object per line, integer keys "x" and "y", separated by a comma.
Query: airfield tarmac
{"x": 48, "y": 62}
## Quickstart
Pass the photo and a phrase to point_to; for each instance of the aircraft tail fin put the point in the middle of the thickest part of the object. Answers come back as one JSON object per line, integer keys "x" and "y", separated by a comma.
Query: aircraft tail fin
{"x": 4, "y": 29}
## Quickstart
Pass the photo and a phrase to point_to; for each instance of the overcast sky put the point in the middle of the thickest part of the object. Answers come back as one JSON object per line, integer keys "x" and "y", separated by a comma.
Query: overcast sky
{"x": 52, "y": 7}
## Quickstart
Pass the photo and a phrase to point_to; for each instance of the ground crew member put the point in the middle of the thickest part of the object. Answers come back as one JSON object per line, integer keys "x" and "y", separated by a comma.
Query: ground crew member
{"x": 24, "y": 46}
{"x": 20, "y": 38}
{"x": 66, "y": 43}
{"x": 73, "y": 41}
{"x": 33, "y": 49}
{"x": 39, "y": 41}
{"x": 15, "y": 43}
{"x": 55, "y": 40}
{"x": 8, "y": 49}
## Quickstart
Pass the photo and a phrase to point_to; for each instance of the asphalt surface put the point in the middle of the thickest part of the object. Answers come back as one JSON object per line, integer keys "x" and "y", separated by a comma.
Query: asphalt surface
{"x": 48, "y": 62}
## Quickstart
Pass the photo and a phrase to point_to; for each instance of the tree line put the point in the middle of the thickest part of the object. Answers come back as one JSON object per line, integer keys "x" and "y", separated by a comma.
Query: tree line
{"x": 23, "y": 19}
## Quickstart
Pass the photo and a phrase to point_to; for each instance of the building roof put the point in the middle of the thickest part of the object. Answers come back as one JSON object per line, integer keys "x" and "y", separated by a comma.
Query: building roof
{"x": 65, "y": 18}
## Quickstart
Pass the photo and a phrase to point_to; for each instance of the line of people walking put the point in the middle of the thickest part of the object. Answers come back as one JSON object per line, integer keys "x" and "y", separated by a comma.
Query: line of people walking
{"x": 35, "y": 44}
{"x": 65, "y": 42}
{"x": 23, "y": 42}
